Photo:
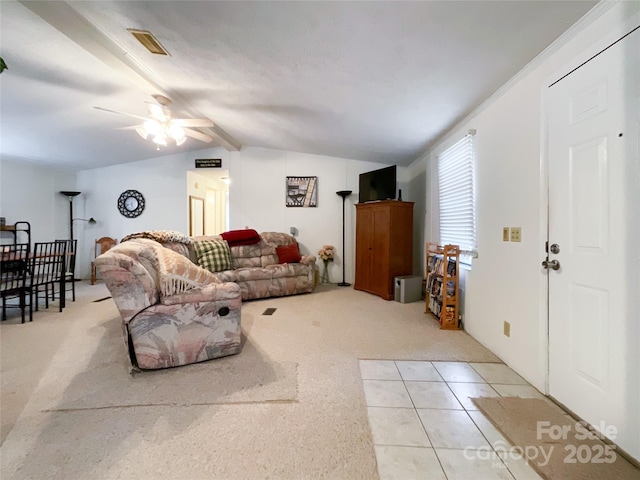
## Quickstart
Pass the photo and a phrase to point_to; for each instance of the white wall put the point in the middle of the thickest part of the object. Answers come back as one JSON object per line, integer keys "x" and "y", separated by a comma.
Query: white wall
{"x": 256, "y": 197}
{"x": 506, "y": 282}
{"x": 30, "y": 192}
{"x": 161, "y": 181}
{"x": 414, "y": 187}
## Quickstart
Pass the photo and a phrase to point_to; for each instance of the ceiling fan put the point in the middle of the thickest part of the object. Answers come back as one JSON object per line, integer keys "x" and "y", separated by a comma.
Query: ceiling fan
{"x": 161, "y": 127}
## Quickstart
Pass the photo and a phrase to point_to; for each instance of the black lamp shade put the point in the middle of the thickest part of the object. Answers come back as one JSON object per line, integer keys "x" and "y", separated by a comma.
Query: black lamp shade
{"x": 70, "y": 194}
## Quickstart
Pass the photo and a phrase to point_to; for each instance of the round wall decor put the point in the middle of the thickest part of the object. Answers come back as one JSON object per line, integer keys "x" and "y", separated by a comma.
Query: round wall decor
{"x": 131, "y": 203}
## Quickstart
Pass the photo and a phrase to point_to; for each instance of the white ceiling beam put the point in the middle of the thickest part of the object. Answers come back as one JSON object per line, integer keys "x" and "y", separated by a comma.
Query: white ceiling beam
{"x": 70, "y": 23}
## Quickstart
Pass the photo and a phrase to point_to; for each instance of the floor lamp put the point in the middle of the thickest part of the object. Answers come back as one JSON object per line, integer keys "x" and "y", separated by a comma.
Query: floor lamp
{"x": 344, "y": 194}
{"x": 70, "y": 196}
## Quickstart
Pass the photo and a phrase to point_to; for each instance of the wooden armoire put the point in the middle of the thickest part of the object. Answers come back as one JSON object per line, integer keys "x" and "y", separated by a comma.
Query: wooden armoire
{"x": 384, "y": 245}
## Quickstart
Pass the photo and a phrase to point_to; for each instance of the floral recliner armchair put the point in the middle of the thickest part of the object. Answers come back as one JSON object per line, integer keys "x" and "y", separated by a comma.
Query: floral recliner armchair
{"x": 173, "y": 312}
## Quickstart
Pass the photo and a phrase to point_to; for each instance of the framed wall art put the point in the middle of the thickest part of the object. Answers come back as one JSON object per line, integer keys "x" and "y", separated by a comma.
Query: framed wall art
{"x": 302, "y": 191}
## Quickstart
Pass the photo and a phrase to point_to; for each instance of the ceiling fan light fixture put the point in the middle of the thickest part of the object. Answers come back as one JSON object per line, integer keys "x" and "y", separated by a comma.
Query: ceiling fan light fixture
{"x": 153, "y": 127}
{"x": 176, "y": 132}
{"x": 160, "y": 140}
{"x": 161, "y": 128}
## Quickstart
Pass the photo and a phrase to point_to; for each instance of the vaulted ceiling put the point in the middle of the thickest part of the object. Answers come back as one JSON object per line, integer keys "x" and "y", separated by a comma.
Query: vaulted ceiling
{"x": 368, "y": 80}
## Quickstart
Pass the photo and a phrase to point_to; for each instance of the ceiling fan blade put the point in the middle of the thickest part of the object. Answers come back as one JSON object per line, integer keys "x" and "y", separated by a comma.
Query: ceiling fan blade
{"x": 198, "y": 135}
{"x": 121, "y": 113}
{"x": 140, "y": 130}
{"x": 159, "y": 112}
{"x": 193, "y": 122}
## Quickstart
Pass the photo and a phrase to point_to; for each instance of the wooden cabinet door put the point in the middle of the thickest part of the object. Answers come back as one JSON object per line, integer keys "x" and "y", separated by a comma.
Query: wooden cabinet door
{"x": 364, "y": 248}
{"x": 401, "y": 241}
{"x": 380, "y": 282}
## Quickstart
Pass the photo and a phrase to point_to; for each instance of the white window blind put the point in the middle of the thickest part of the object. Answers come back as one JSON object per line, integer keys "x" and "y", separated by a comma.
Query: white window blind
{"x": 456, "y": 185}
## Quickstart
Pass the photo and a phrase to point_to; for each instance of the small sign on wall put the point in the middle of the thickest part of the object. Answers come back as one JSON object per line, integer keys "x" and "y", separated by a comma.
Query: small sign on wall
{"x": 208, "y": 163}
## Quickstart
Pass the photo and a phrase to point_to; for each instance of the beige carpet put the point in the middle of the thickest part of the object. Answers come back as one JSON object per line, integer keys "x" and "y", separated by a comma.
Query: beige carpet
{"x": 572, "y": 455}
{"x": 290, "y": 406}
{"x": 223, "y": 381}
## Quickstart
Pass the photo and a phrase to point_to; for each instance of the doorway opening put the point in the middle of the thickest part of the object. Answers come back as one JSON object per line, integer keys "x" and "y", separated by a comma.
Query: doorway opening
{"x": 209, "y": 191}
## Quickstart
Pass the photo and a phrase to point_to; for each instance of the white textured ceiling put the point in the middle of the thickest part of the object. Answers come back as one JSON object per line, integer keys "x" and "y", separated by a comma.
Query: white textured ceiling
{"x": 374, "y": 81}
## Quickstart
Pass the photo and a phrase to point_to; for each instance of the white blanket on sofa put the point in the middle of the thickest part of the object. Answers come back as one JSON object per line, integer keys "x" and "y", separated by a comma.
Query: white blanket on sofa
{"x": 176, "y": 273}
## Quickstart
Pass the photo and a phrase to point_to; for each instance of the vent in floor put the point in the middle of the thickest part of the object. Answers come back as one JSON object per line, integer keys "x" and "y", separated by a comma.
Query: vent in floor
{"x": 269, "y": 311}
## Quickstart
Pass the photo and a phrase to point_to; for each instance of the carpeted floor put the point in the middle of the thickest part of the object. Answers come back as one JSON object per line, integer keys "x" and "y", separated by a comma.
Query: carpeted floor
{"x": 291, "y": 405}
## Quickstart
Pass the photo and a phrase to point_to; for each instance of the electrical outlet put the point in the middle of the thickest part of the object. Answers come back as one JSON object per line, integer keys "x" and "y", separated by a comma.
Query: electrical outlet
{"x": 507, "y": 329}
{"x": 516, "y": 234}
{"x": 505, "y": 234}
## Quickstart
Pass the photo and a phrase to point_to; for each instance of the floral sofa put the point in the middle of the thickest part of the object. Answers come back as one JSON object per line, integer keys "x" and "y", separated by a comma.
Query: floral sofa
{"x": 173, "y": 312}
{"x": 257, "y": 268}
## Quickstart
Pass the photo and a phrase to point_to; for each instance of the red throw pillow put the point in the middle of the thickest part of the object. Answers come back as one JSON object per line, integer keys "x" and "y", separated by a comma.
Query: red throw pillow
{"x": 241, "y": 237}
{"x": 288, "y": 253}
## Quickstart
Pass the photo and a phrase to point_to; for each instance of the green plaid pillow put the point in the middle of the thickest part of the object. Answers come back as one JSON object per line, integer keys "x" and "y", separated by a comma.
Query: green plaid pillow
{"x": 214, "y": 255}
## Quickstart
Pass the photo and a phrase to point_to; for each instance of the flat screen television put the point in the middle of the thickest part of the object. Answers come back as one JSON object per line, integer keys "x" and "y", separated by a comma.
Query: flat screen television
{"x": 378, "y": 185}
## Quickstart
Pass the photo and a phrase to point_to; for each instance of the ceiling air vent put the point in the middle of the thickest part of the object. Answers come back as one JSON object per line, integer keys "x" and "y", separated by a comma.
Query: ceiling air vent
{"x": 147, "y": 39}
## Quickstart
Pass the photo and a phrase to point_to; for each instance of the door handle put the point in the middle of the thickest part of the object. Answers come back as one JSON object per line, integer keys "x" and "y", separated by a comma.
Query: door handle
{"x": 551, "y": 264}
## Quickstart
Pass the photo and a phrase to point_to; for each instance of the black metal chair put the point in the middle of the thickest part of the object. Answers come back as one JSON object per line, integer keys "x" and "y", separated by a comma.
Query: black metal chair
{"x": 70, "y": 267}
{"x": 48, "y": 269}
{"x": 15, "y": 278}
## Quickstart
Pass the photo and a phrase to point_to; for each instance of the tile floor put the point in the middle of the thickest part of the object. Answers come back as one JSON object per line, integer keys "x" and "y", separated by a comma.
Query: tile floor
{"x": 425, "y": 426}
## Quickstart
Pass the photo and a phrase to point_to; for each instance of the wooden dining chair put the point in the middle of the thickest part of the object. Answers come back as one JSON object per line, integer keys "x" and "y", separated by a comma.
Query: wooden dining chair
{"x": 47, "y": 267}
{"x": 15, "y": 278}
{"x": 101, "y": 246}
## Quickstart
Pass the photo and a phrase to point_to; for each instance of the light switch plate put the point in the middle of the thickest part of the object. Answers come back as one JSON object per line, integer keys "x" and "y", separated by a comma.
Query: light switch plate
{"x": 505, "y": 234}
{"x": 507, "y": 329}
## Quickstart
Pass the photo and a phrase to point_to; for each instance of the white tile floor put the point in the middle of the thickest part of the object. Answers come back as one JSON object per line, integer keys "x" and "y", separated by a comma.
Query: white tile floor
{"x": 425, "y": 426}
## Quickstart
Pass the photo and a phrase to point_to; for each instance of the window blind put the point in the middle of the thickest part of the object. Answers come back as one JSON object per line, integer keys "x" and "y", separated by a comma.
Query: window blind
{"x": 456, "y": 185}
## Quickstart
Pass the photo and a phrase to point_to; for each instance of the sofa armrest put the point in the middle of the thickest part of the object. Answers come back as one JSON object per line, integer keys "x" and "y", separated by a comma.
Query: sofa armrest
{"x": 131, "y": 284}
{"x": 308, "y": 259}
{"x": 209, "y": 293}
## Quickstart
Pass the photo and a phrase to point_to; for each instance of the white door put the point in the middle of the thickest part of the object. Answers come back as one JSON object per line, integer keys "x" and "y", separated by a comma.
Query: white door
{"x": 594, "y": 365}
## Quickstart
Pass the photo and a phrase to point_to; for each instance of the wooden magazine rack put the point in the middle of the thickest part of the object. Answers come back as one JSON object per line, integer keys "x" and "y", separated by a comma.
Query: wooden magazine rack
{"x": 442, "y": 289}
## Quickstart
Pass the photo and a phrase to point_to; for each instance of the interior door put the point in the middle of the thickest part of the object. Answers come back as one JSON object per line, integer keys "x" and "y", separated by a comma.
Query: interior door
{"x": 593, "y": 230}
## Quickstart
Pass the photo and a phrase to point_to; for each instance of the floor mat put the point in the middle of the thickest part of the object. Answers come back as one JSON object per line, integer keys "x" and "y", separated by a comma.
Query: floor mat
{"x": 554, "y": 444}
